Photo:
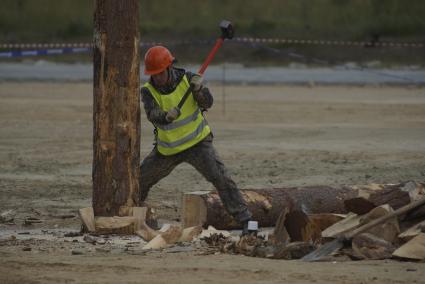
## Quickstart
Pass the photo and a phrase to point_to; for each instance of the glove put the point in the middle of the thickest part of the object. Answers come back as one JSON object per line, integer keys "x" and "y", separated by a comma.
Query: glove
{"x": 196, "y": 81}
{"x": 172, "y": 114}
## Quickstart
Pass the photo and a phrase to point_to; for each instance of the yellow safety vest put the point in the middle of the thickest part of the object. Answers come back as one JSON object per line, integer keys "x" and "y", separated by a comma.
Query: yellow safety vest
{"x": 188, "y": 129}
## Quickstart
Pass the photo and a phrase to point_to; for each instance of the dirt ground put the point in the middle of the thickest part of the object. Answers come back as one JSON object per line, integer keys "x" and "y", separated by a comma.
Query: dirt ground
{"x": 268, "y": 136}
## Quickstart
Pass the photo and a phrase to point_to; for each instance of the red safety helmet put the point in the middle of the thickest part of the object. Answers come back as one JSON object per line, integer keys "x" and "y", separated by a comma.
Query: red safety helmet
{"x": 157, "y": 59}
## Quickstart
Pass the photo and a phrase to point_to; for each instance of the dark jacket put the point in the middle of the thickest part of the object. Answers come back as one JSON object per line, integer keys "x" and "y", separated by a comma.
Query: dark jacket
{"x": 153, "y": 111}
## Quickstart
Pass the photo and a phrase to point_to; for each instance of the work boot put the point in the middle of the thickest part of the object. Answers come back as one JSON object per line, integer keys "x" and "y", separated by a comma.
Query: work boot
{"x": 250, "y": 228}
{"x": 245, "y": 229}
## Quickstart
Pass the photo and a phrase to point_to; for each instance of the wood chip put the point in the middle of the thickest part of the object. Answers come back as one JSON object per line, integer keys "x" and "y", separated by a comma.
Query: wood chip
{"x": 413, "y": 249}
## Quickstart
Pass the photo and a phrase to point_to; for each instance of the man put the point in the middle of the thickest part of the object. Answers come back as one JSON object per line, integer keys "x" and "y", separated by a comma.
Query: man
{"x": 183, "y": 135}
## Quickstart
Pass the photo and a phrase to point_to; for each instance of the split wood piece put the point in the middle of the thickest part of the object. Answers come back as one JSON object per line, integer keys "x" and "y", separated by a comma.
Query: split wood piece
{"x": 415, "y": 195}
{"x": 280, "y": 235}
{"x": 150, "y": 214}
{"x": 194, "y": 209}
{"x": 146, "y": 232}
{"x": 323, "y": 221}
{"x": 87, "y": 217}
{"x": 171, "y": 234}
{"x": 300, "y": 228}
{"x": 125, "y": 211}
{"x": 188, "y": 234}
{"x": 115, "y": 225}
{"x": 413, "y": 249}
{"x": 296, "y": 226}
{"x": 168, "y": 235}
{"x": 338, "y": 243}
{"x": 140, "y": 226}
{"x": 350, "y": 222}
{"x": 156, "y": 243}
{"x": 203, "y": 208}
{"x": 139, "y": 213}
{"x": 413, "y": 231}
{"x": 396, "y": 195}
{"x": 368, "y": 246}
{"x": 387, "y": 231}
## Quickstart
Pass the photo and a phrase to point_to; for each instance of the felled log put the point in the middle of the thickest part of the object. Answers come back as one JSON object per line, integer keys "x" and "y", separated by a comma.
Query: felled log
{"x": 205, "y": 208}
{"x": 395, "y": 195}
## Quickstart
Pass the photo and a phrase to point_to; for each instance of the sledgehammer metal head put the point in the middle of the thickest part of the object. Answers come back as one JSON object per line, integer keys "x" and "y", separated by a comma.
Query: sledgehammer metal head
{"x": 227, "y": 30}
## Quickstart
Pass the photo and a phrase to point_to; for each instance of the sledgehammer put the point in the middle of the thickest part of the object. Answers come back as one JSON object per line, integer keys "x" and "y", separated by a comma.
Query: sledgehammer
{"x": 227, "y": 31}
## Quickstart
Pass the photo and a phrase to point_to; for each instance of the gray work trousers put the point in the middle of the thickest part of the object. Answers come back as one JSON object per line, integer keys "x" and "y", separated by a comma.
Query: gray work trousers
{"x": 205, "y": 160}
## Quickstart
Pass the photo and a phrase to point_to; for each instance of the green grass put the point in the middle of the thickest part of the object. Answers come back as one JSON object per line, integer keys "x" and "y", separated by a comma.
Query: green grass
{"x": 50, "y": 20}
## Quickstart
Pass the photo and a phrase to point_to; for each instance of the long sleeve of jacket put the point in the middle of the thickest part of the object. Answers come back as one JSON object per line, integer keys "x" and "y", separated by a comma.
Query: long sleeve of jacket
{"x": 203, "y": 98}
{"x": 153, "y": 112}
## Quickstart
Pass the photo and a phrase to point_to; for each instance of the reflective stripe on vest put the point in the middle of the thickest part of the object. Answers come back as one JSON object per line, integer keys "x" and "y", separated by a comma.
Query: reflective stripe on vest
{"x": 179, "y": 123}
{"x": 188, "y": 129}
{"x": 184, "y": 139}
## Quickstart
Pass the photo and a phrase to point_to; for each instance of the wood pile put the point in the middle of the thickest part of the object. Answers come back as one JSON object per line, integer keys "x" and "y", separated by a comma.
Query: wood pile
{"x": 300, "y": 226}
{"x": 297, "y": 233}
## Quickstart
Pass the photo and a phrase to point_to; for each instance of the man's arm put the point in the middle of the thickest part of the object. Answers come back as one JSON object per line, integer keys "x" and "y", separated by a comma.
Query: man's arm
{"x": 153, "y": 112}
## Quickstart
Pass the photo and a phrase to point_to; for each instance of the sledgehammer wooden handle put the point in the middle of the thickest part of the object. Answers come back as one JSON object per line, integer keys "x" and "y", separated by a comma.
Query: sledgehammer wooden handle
{"x": 227, "y": 31}
{"x": 201, "y": 71}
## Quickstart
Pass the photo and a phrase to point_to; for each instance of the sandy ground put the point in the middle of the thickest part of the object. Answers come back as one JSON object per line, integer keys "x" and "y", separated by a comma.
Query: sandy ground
{"x": 267, "y": 136}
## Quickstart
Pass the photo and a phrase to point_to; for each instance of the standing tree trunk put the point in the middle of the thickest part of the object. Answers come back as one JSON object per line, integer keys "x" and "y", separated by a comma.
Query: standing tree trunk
{"x": 116, "y": 108}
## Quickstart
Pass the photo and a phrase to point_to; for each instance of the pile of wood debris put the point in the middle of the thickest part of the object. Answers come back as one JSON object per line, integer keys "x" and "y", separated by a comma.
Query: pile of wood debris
{"x": 306, "y": 221}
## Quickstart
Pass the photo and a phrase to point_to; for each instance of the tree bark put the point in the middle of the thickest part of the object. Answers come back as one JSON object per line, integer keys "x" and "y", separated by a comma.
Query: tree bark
{"x": 206, "y": 208}
{"x": 116, "y": 108}
{"x": 395, "y": 195}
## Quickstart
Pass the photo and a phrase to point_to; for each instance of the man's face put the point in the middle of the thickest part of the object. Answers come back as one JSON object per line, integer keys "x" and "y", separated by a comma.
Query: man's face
{"x": 161, "y": 79}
